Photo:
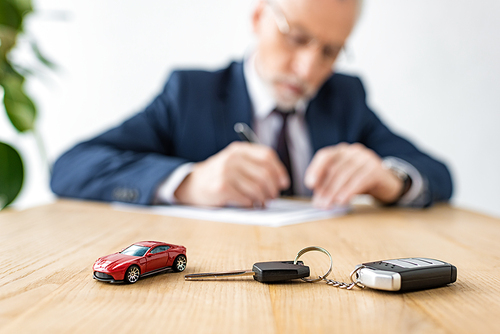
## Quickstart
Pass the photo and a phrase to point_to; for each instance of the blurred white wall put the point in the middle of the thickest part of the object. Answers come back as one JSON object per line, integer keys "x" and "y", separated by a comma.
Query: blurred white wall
{"x": 431, "y": 70}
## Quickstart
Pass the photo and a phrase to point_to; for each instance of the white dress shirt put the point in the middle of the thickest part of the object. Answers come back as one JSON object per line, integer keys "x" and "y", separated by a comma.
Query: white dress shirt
{"x": 267, "y": 126}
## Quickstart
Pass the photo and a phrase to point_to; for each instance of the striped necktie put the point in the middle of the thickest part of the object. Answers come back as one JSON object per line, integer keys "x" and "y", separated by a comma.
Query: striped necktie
{"x": 282, "y": 149}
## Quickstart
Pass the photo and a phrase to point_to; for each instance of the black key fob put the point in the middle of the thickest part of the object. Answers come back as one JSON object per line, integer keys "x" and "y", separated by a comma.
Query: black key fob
{"x": 406, "y": 274}
{"x": 279, "y": 271}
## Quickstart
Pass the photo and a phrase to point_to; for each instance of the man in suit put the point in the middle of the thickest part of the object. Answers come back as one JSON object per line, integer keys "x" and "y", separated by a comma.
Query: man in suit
{"x": 316, "y": 135}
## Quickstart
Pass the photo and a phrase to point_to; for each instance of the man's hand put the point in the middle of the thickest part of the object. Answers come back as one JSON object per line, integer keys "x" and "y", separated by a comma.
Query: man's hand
{"x": 242, "y": 174}
{"x": 339, "y": 172}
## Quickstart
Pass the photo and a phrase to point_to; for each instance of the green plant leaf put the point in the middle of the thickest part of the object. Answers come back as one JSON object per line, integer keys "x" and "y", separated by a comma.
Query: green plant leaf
{"x": 41, "y": 57}
{"x": 11, "y": 15}
{"x": 11, "y": 174}
{"x": 25, "y": 6}
{"x": 7, "y": 40}
{"x": 20, "y": 109}
{"x": 12, "y": 12}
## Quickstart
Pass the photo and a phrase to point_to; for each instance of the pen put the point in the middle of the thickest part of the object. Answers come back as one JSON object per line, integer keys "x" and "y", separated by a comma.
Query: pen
{"x": 245, "y": 133}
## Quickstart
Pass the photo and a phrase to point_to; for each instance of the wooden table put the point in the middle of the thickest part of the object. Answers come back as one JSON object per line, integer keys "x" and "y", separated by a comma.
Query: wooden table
{"x": 47, "y": 254}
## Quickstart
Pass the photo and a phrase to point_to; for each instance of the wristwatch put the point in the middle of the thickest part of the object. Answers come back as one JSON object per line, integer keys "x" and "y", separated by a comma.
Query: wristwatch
{"x": 400, "y": 173}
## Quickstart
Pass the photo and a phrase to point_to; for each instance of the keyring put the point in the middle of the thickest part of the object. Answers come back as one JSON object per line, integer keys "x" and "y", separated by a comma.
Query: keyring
{"x": 319, "y": 249}
{"x": 357, "y": 282}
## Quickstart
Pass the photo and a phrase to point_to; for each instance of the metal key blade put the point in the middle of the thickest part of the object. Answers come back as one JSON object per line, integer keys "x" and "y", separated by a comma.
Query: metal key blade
{"x": 265, "y": 272}
{"x": 202, "y": 276}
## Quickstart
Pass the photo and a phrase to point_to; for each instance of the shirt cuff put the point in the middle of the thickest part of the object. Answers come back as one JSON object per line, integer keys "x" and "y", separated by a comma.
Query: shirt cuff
{"x": 417, "y": 195}
{"x": 166, "y": 190}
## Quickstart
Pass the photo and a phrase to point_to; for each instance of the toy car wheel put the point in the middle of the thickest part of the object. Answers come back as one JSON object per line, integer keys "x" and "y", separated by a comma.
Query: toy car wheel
{"x": 132, "y": 275}
{"x": 180, "y": 263}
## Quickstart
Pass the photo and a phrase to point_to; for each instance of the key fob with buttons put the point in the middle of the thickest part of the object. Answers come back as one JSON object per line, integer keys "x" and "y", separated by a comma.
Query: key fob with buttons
{"x": 406, "y": 274}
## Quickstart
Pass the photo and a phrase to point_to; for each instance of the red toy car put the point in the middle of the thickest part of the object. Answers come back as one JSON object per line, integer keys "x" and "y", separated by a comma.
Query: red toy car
{"x": 138, "y": 260}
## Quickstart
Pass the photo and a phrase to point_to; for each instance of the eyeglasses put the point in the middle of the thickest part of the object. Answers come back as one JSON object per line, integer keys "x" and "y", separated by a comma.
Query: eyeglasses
{"x": 299, "y": 39}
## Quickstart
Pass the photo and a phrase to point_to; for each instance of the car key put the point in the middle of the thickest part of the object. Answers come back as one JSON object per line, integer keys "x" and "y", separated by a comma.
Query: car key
{"x": 405, "y": 274}
{"x": 264, "y": 272}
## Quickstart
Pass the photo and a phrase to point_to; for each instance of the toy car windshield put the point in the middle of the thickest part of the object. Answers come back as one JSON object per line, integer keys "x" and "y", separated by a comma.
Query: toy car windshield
{"x": 135, "y": 250}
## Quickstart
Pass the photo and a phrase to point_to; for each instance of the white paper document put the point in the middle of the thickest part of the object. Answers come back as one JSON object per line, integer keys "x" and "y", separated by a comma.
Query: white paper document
{"x": 278, "y": 212}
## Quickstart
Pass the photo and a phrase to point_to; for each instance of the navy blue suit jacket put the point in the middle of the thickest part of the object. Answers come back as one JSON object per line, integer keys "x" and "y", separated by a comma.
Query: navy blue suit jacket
{"x": 193, "y": 118}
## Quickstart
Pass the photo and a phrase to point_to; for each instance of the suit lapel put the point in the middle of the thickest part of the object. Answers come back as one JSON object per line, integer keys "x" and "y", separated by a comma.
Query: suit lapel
{"x": 235, "y": 107}
{"x": 322, "y": 121}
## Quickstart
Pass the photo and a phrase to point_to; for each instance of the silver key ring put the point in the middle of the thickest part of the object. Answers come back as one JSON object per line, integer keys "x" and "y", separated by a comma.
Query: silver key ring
{"x": 356, "y": 281}
{"x": 319, "y": 249}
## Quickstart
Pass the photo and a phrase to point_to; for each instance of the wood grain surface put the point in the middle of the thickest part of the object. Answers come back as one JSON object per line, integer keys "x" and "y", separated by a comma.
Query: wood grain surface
{"x": 47, "y": 253}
